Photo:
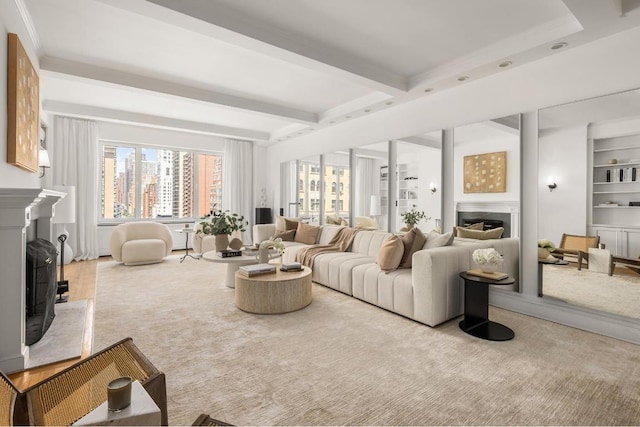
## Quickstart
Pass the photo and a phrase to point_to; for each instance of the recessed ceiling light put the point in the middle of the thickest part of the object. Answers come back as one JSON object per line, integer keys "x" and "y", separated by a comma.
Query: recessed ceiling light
{"x": 389, "y": 102}
{"x": 505, "y": 64}
{"x": 558, "y": 46}
{"x": 347, "y": 117}
{"x": 368, "y": 110}
{"x": 463, "y": 78}
{"x": 332, "y": 121}
{"x": 429, "y": 89}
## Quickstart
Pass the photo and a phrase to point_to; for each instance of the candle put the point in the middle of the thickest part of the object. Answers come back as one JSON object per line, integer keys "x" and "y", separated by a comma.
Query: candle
{"x": 119, "y": 394}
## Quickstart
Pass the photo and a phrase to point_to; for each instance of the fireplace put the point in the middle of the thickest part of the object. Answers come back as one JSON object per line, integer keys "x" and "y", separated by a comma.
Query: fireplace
{"x": 41, "y": 287}
{"x": 493, "y": 214}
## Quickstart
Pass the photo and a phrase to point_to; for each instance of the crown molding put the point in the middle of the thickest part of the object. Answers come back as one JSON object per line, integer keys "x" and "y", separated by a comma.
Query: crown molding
{"x": 28, "y": 23}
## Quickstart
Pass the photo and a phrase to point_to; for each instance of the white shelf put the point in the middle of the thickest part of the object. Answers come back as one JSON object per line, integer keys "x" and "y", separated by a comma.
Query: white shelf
{"x": 616, "y": 207}
{"x": 615, "y": 165}
{"x": 619, "y": 182}
{"x": 604, "y": 150}
{"x": 616, "y": 192}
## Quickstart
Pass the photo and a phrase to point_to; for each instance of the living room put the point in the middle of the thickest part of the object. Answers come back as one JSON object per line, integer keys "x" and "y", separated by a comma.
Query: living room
{"x": 298, "y": 103}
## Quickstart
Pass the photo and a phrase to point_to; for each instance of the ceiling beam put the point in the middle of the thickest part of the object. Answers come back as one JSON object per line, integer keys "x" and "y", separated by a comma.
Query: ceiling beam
{"x": 118, "y": 116}
{"x": 121, "y": 78}
{"x": 215, "y": 20}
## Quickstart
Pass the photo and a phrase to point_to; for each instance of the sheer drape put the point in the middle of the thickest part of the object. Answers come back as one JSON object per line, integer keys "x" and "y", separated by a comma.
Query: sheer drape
{"x": 288, "y": 178}
{"x": 75, "y": 162}
{"x": 237, "y": 181}
{"x": 365, "y": 185}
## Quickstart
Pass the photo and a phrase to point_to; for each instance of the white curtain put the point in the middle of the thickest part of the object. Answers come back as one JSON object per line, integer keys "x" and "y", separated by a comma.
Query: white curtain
{"x": 288, "y": 181}
{"x": 75, "y": 162}
{"x": 366, "y": 180}
{"x": 237, "y": 181}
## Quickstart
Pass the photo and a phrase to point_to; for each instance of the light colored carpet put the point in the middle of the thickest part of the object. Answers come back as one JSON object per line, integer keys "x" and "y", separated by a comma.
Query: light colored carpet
{"x": 617, "y": 294}
{"x": 343, "y": 361}
{"x": 63, "y": 339}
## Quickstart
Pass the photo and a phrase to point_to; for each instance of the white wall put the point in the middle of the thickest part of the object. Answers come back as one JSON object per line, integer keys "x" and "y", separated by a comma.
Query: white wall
{"x": 10, "y": 22}
{"x": 563, "y": 154}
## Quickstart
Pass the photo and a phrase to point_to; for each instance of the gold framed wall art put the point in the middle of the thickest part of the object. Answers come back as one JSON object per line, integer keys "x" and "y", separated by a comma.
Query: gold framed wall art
{"x": 485, "y": 173}
{"x": 23, "y": 107}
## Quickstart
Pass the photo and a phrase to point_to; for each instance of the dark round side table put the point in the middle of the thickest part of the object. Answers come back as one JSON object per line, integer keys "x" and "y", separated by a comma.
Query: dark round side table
{"x": 476, "y": 309}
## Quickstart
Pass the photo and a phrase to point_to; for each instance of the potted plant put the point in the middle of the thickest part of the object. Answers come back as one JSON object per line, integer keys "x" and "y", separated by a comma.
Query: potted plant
{"x": 412, "y": 217}
{"x": 221, "y": 224}
{"x": 544, "y": 248}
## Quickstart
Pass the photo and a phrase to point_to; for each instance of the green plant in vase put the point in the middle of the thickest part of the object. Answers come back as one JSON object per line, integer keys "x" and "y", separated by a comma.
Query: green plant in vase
{"x": 412, "y": 217}
{"x": 221, "y": 224}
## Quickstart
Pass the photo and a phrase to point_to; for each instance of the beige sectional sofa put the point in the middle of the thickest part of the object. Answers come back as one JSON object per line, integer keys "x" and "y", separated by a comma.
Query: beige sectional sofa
{"x": 431, "y": 292}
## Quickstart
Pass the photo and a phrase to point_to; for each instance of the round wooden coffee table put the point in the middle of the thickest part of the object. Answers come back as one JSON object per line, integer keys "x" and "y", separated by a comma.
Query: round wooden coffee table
{"x": 279, "y": 292}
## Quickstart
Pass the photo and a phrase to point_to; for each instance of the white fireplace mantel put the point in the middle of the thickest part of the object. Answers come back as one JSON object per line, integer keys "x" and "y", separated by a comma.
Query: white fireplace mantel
{"x": 18, "y": 207}
{"x": 510, "y": 207}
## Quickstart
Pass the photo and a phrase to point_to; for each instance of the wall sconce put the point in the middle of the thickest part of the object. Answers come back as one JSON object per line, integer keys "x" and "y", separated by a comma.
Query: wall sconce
{"x": 433, "y": 188}
{"x": 43, "y": 161}
{"x": 551, "y": 183}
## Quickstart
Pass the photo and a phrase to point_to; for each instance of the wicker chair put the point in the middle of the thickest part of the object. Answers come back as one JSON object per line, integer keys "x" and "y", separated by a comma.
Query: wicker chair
{"x": 8, "y": 397}
{"x": 69, "y": 395}
{"x": 572, "y": 245}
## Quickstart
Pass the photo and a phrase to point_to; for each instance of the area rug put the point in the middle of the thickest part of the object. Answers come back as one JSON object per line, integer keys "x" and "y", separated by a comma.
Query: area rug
{"x": 341, "y": 361}
{"x": 617, "y": 294}
{"x": 63, "y": 340}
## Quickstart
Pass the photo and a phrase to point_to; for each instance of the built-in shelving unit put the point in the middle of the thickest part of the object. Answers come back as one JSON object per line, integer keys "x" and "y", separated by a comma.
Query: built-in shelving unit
{"x": 613, "y": 217}
{"x": 408, "y": 186}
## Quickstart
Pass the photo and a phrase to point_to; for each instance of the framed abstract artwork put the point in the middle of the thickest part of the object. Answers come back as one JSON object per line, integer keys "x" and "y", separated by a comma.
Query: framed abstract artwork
{"x": 485, "y": 173}
{"x": 23, "y": 108}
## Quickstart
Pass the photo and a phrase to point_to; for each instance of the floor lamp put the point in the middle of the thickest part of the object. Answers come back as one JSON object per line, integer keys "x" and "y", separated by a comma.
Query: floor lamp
{"x": 65, "y": 213}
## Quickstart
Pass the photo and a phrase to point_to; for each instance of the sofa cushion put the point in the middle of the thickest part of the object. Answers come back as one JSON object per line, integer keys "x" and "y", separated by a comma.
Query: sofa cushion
{"x": 306, "y": 233}
{"x": 390, "y": 253}
{"x": 368, "y": 242}
{"x": 436, "y": 240}
{"x": 413, "y": 240}
{"x": 496, "y": 233}
{"x": 334, "y": 269}
{"x": 286, "y": 236}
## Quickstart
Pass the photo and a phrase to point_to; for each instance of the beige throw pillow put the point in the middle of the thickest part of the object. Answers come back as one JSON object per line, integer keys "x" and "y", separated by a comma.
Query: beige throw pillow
{"x": 412, "y": 241}
{"x": 496, "y": 233}
{"x": 286, "y": 236}
{"x": 281, "y": 224}
{"x": 476, "y": 226}
{"x": 436, "y": 240}
{"x": 307, "y": 234}
{"x": 390, "y": 253}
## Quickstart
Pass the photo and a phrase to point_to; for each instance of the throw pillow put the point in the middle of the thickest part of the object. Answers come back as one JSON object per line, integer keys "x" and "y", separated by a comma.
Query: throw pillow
{"x": 496, "y": 233}
{"x": 286, "y": 236}
{"x": 436, "y": 240}
{"x": 366, "y": 223}
{"x": 333, "y": 219}
{"x": 291, "y": 224}
{"x": 412, "y": 241}
{"x": 280, "y": 223}
{"x": 390, "y": 253}
{"x": 476, "y": 226}
{"x": 306, "y": 233}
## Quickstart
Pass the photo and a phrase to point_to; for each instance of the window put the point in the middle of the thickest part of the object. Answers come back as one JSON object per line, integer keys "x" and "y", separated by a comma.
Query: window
{"x": 143, "y": 183}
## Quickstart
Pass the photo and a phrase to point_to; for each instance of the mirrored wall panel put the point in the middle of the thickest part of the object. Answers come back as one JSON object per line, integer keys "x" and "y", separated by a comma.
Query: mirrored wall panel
{"x": 589, "y": 203}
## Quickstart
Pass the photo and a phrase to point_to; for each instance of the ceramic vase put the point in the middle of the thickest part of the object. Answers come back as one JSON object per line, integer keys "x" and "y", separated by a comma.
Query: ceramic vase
{"x": 409, "y": 226}
{"x": 489, "y": 268}
{"x": 543, "y": 253}
{"x": 235, "y": 244}
{"x": 222, "y": 242}
{"x": 263, "y": 255}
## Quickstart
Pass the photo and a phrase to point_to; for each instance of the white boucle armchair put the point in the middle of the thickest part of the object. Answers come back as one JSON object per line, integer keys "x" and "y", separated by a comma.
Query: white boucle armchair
{"x": 137, "y": 243}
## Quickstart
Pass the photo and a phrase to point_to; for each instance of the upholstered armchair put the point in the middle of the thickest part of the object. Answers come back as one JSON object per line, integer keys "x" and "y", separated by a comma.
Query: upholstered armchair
{"x": 136, "y": 243}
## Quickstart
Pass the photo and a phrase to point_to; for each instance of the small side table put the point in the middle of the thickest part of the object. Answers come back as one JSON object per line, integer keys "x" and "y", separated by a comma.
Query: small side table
{"x": 476, "y": 309}
{"x": 143, "y": 411}
{"x": 554, "y": 261}
{"x": 186, "y": 232}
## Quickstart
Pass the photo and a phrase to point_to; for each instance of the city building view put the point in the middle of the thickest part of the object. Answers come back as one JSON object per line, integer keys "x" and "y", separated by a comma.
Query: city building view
{"x": 144, "y": 183}
{"x": 336, "y": 190}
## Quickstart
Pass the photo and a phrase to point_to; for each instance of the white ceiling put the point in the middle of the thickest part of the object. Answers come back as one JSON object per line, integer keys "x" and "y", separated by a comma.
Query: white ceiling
{"x": 275, "y": 70}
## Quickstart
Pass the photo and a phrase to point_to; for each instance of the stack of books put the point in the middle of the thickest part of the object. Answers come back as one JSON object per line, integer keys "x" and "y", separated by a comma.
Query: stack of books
{"x": 257, "y": 269}
{"x": 229, "y": 253}
{"x": 292, "y": 266}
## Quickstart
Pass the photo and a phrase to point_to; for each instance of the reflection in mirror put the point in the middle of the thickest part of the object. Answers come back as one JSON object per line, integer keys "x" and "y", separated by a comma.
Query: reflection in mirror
{"x": 336, "y": 185}
{"x": 371, "y": 181}
{"x": 419, "y": 176}
{"x": 591, "y": 148}
{"x": 310, "y": 181}
{"x": 487, "y": 175}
